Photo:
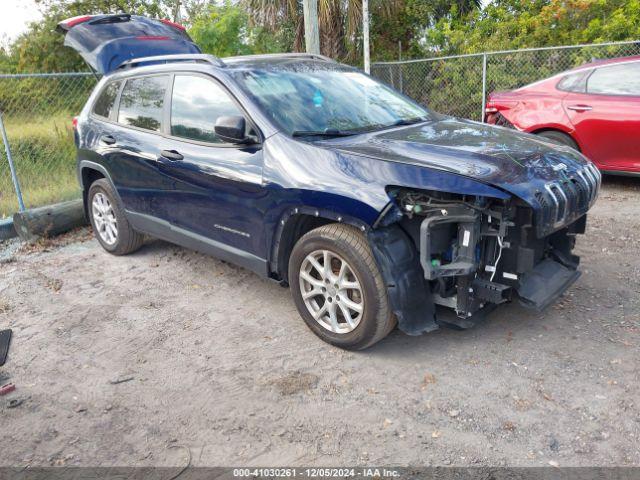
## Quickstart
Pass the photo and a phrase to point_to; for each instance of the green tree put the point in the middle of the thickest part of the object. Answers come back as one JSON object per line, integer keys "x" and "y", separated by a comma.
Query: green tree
{"x": 510, "y": 24}
{"x": 223, "y": 30}
{"x": 405, "y": 26}
{"x": 340, "y": 23}
{"x": 8, "y": 62}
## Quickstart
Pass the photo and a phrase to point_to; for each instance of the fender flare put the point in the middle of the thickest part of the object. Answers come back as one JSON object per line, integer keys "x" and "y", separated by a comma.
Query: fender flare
{"x": 290, "y": 216}
{"x": 89, "y": 165}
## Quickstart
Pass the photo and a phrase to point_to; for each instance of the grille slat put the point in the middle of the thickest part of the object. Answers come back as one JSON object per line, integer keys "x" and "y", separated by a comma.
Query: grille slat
{"x": 562, "y": 202}
{"x": 582, "y": 194}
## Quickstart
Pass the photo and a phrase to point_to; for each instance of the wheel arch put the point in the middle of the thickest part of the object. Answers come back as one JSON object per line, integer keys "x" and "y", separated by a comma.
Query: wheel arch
{"x": 292, "y": 226}
{"x": 559, "y": 129}
{"x": 89, "y": 172}
{"x": 393, "y": 250}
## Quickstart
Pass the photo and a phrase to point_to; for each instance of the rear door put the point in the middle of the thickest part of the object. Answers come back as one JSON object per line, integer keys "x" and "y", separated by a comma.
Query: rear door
{"x": 217, "y": 190}
{"x": 106, "y": 41}
{"x": 129, "y": 144}
{"x": 606, "y": 116}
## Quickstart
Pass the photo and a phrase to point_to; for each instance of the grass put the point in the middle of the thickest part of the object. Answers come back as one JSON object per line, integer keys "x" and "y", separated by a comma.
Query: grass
{"x": 44, "y": 156}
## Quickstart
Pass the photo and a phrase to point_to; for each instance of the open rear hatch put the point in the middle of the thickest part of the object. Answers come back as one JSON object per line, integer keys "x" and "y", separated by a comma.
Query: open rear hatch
{"x": 106, "y": 41}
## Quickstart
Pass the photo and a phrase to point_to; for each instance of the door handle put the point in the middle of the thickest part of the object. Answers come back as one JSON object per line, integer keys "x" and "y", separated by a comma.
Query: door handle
{"x": 171, "y": 155}
{"x": 580, "y": 108}
{"x": 107, "y": 139}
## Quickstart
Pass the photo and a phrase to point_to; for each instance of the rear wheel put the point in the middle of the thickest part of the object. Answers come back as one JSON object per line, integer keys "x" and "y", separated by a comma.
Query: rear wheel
{"x": 559, "y": 138}
{"x": 109, "y": 222}
{"x": 338, "y": 289}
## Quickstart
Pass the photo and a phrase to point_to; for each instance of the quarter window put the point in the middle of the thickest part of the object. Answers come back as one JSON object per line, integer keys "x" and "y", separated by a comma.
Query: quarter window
{"x": 573, "y": 82}
{"x": 616, "y": 80}
{"x": 141, "y": 102}
{"x": 107, "y": 99}
{"x": 196, "y": 104}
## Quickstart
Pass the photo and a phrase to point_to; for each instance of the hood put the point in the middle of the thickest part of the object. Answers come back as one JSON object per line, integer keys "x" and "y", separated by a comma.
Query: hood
{"x": 516, "y": 162}
{"x": 105, "y": 41}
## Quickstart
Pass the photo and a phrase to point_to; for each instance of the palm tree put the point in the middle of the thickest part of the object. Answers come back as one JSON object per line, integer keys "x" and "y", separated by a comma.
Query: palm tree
{"x": 340, "y": 21}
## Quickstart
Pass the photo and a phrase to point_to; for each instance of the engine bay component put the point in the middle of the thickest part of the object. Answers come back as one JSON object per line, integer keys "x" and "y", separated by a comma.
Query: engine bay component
{"x": 478, "y": 252}
{"x": 463, "y": 252}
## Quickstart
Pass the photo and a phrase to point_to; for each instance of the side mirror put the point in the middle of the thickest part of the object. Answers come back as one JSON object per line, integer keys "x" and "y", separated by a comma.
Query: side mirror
{"x": 231, "y": 129}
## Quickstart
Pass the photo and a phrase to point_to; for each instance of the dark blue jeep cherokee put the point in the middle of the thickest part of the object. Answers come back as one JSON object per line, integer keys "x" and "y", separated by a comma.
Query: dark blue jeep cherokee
{"x": 373, "y": 209}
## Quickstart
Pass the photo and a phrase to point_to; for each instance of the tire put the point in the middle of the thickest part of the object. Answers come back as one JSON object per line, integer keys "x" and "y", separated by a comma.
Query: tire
{"x": 559, "y": 138}
{"x": 109, "y": 209}
{"x": 344, "y": 244}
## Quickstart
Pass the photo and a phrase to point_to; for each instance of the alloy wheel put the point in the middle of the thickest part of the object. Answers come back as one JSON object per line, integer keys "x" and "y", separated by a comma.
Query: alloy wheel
{"x": 104, "y": 218}
{"x": 331, "y": 291}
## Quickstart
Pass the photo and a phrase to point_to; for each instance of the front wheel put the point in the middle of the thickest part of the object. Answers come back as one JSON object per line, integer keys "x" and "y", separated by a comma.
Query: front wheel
{"x": 338, "y": 289}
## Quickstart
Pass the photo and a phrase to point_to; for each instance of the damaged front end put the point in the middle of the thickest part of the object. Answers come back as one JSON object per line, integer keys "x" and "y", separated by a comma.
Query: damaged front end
{"x": 470, "y": 254}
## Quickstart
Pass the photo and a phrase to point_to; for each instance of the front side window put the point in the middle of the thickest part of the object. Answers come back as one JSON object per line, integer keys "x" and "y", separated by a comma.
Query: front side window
{"x": 196, "y": 104}
{"x": 313, "y": 97}
{"x": 107, "y": 99}
{"x": 616, "y": 80}
{"x": 141, "y": 102}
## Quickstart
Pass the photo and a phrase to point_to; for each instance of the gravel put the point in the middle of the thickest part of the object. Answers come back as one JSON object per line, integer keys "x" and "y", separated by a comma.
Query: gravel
{"x": 120, "y": 360}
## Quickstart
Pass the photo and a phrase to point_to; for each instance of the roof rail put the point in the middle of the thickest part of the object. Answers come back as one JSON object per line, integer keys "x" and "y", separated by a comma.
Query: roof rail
{"x": 194, "y": 57}
{"x": 313, "y": 56}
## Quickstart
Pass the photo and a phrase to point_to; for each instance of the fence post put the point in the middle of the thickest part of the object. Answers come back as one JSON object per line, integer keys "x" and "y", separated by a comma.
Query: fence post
{"x": 400, "y": 65}
{"x": 484, "y": 85}
{"x": 14, "y": 176}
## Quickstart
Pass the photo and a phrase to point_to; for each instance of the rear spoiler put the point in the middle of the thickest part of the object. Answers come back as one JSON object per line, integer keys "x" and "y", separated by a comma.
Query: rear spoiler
{"x": 66, "y": 25}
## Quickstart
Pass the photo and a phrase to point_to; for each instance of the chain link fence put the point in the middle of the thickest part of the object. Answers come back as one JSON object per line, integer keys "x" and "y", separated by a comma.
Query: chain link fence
{"x": 37, "y": 110}
{"x": 459, "y": 85}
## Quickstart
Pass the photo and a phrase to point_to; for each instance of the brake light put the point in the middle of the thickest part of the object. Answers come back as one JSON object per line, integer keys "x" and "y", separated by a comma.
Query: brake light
{"x": 72, "y": 22}
{"x": 498, "y": 105}
{"x": 152, "y": 37}
{"x": 74, "y": 122}
{"x": 166, "y": 21}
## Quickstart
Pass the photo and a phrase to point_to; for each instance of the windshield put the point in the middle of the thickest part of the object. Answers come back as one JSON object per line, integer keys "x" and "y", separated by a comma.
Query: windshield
{"x": 309, "y": 98}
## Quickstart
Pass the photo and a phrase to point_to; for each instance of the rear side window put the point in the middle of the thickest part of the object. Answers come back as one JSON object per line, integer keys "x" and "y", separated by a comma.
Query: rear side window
{"x": 107, "y": 99}
{"x": 616, "y": 80}
{"x": 141, "y": 102}
{"x": 196, "y": 104}
{"x": 574, "y": 82}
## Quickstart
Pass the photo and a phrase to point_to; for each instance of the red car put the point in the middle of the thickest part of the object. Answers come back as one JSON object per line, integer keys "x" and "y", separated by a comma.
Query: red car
{"x": 594, "y": 108}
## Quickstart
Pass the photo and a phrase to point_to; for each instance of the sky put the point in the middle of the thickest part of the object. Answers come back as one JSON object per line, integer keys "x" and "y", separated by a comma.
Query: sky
{"x": 15, "y": 15}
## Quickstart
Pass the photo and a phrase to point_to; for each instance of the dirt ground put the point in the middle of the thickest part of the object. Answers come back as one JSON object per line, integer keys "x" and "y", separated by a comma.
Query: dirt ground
{"x": 167, "y": 356}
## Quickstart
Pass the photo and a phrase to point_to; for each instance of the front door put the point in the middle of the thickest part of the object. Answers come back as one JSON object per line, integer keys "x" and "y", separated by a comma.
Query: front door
{"x": 217, "y": 187}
